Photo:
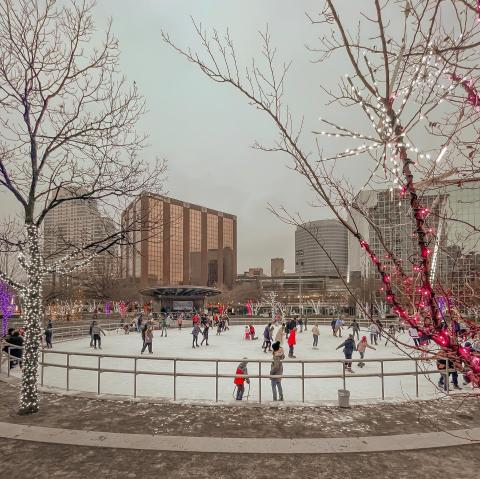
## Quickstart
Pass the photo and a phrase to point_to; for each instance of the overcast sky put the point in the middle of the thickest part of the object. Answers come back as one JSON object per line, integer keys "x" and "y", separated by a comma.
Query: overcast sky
{"x": 205, "y": 130}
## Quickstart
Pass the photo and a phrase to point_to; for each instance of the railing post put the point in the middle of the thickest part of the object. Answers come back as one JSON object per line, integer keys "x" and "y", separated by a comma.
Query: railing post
{"x": 447, "y": 377}
{"x": 383, "y": 385}
{"x": 68, "y": 372}
{"x": 303, "y": 381}
{"x": 174, "y": 379}
{"x": 135, "y": 377}
{"x": 259, "y": 381}
{"x": 98, "y": 375}
{"x": 416, "y": 378}
{"x": 216, "y": 380}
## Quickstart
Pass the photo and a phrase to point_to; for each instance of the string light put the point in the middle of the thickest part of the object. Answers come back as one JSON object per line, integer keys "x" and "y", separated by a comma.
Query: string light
{"x": 32, "y": 309}
{"x": 7, "y": 306}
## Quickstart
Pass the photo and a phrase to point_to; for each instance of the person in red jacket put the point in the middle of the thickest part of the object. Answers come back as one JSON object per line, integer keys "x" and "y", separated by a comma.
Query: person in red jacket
{"x": 240, "y": 381}
{"x": 292, "y": 340}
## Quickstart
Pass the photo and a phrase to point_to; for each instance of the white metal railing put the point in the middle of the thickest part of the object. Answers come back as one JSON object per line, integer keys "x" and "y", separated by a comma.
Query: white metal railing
{"x": 136, "y": 371}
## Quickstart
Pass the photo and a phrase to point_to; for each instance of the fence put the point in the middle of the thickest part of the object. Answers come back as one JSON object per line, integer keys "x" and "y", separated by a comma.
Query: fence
{"x": 69, "y": 362}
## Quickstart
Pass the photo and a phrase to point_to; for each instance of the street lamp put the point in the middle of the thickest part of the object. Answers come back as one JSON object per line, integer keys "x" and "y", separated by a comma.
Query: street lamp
{"x": 300, "y": 253}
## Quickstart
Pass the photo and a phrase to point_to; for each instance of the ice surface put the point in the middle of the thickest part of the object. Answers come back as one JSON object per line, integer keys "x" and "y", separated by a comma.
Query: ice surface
{"x": 231, "y": 346}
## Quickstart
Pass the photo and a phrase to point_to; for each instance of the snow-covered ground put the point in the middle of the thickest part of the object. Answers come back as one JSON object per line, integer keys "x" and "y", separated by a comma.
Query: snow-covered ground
{"x": 232, "y": 346}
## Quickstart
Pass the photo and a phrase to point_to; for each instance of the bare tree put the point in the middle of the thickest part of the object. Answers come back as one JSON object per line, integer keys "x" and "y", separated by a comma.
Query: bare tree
{"x": 67, "y": 133}
{"x": 414, "y": 77}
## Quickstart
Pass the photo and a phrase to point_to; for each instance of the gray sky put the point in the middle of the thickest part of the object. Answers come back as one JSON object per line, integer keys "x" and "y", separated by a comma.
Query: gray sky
{"x": 204, "y": 130}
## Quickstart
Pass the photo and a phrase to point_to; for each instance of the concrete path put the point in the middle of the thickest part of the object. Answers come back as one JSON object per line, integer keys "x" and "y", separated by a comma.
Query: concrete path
{"x": 399, "y": 442}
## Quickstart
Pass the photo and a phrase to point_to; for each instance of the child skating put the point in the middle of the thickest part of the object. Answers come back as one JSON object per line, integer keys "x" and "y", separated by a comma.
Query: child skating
{"x": 361, "y": 347}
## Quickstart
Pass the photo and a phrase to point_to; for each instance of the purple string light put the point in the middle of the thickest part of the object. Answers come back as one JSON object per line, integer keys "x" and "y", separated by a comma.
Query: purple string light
{"x": 6, "y": 306}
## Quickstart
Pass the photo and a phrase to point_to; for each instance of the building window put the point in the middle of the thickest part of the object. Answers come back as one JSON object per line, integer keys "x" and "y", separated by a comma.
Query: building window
{"x": 195, "y": 231}
{"x": 227, "y": 233}
{"x": 176, "y": 244}
{"x": 212, "y": 231}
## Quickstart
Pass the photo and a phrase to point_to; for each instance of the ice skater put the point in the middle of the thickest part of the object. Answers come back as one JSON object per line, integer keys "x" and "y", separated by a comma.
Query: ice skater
{"x": 91, "y": 334}
{"x": 315, "y": 334}
{"x": 391, "y": 334}
{"x": 147, "y": 339}
{"x": 413, "y": 332}
{"x": 195, "y": 332}
{"x": 374, "y": 330}
{"x": 292, "y": 341}
{"x": 267, "y": 340}
{"x": 49, "y": 334}
{"x": 338, "y": 327}
{"x": 348, "y": 348}
{"x": 96, "y": 330}
{"x": 280, "y": 336}
{"x": 332, "y": 325}
{"x": 163, "y": 326}
{"x": 276, "y": 369}
{"x": 355, "y": 329}
{"x": 205, "y": 333}
{"x": 239, "y": 381}
{"x": 361, "y": 347}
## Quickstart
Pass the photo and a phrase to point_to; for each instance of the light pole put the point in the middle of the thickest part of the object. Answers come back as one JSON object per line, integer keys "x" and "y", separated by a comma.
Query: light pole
{"x": 299, "y": 253}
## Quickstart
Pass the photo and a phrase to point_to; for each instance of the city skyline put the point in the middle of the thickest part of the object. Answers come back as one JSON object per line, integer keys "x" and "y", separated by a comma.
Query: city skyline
{"x": 205, "y": 133}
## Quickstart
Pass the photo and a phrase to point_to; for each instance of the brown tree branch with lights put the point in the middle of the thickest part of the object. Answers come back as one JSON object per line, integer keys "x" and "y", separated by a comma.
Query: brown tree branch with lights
{"x": 416, "y": 75}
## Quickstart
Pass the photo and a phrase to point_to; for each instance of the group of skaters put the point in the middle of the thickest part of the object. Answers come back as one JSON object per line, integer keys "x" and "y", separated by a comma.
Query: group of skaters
{"x": 201, "y": 325}
{"x": 286, "y": 331}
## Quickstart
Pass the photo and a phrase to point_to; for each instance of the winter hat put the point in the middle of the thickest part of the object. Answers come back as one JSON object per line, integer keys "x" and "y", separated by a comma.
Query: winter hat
{"x": 364, "y": 338}
{"x": 276, "y": 345}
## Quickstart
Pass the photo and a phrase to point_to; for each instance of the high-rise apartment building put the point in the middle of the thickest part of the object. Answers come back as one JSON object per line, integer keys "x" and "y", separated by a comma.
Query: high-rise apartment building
{"x": 311, "y": 258}
{"x": 453, "y": 220}
{"x": 277, "y": 267}
{"x": 178, "y": 243}
{"x": 74, "y": 224}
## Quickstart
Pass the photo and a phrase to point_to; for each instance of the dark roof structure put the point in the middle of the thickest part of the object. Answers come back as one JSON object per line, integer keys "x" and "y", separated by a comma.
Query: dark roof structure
{"x": 180, "y": 292}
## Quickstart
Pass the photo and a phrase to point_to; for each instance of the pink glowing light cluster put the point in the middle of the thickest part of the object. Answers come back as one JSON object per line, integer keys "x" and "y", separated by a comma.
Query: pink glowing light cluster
{"x": 473, "y": 97}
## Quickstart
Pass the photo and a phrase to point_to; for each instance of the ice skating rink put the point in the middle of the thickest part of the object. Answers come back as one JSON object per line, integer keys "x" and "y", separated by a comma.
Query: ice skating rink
{"x": 231, "y": 345}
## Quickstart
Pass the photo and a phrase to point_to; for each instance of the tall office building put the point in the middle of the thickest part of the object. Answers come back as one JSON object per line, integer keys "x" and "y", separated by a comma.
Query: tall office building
{"x": 178, "y": 243}
{"x": 310, "y": 257}
{"x": 74, "y": 224}
{"x": 454, "y": 220}
{"x": 277, "y": 267}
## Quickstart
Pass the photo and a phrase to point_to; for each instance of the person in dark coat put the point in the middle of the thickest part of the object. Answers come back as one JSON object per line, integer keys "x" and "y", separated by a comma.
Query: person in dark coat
{"x": 16, "y": 340}
{"x": 205, "y": 334}
{"x": 348, "y": 348}
{"x": 267, "y": 340}
{"x": 49, "y": 335}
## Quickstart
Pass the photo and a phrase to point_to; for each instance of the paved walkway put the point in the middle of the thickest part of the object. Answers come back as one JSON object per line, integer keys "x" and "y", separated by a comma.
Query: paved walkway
{"x": 78, "y": 437}
{"x": 236, "y": 445}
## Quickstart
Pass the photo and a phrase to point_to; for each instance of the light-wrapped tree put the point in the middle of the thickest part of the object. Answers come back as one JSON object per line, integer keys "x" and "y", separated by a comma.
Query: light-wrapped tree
{"x": 67, "y": 133}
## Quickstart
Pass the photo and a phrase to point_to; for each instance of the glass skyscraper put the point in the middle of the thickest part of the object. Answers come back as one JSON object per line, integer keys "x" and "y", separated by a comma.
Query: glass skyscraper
{"x": 453, "y": 222}
{"x": 172, "y": 242}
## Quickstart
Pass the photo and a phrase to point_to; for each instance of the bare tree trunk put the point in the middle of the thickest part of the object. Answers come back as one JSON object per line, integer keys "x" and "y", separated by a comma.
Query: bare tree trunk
{"x": 32, "y": 316}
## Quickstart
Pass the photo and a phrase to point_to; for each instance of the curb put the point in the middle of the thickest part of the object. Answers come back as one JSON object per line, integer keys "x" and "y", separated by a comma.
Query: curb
{"x": 226, "y": 445}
